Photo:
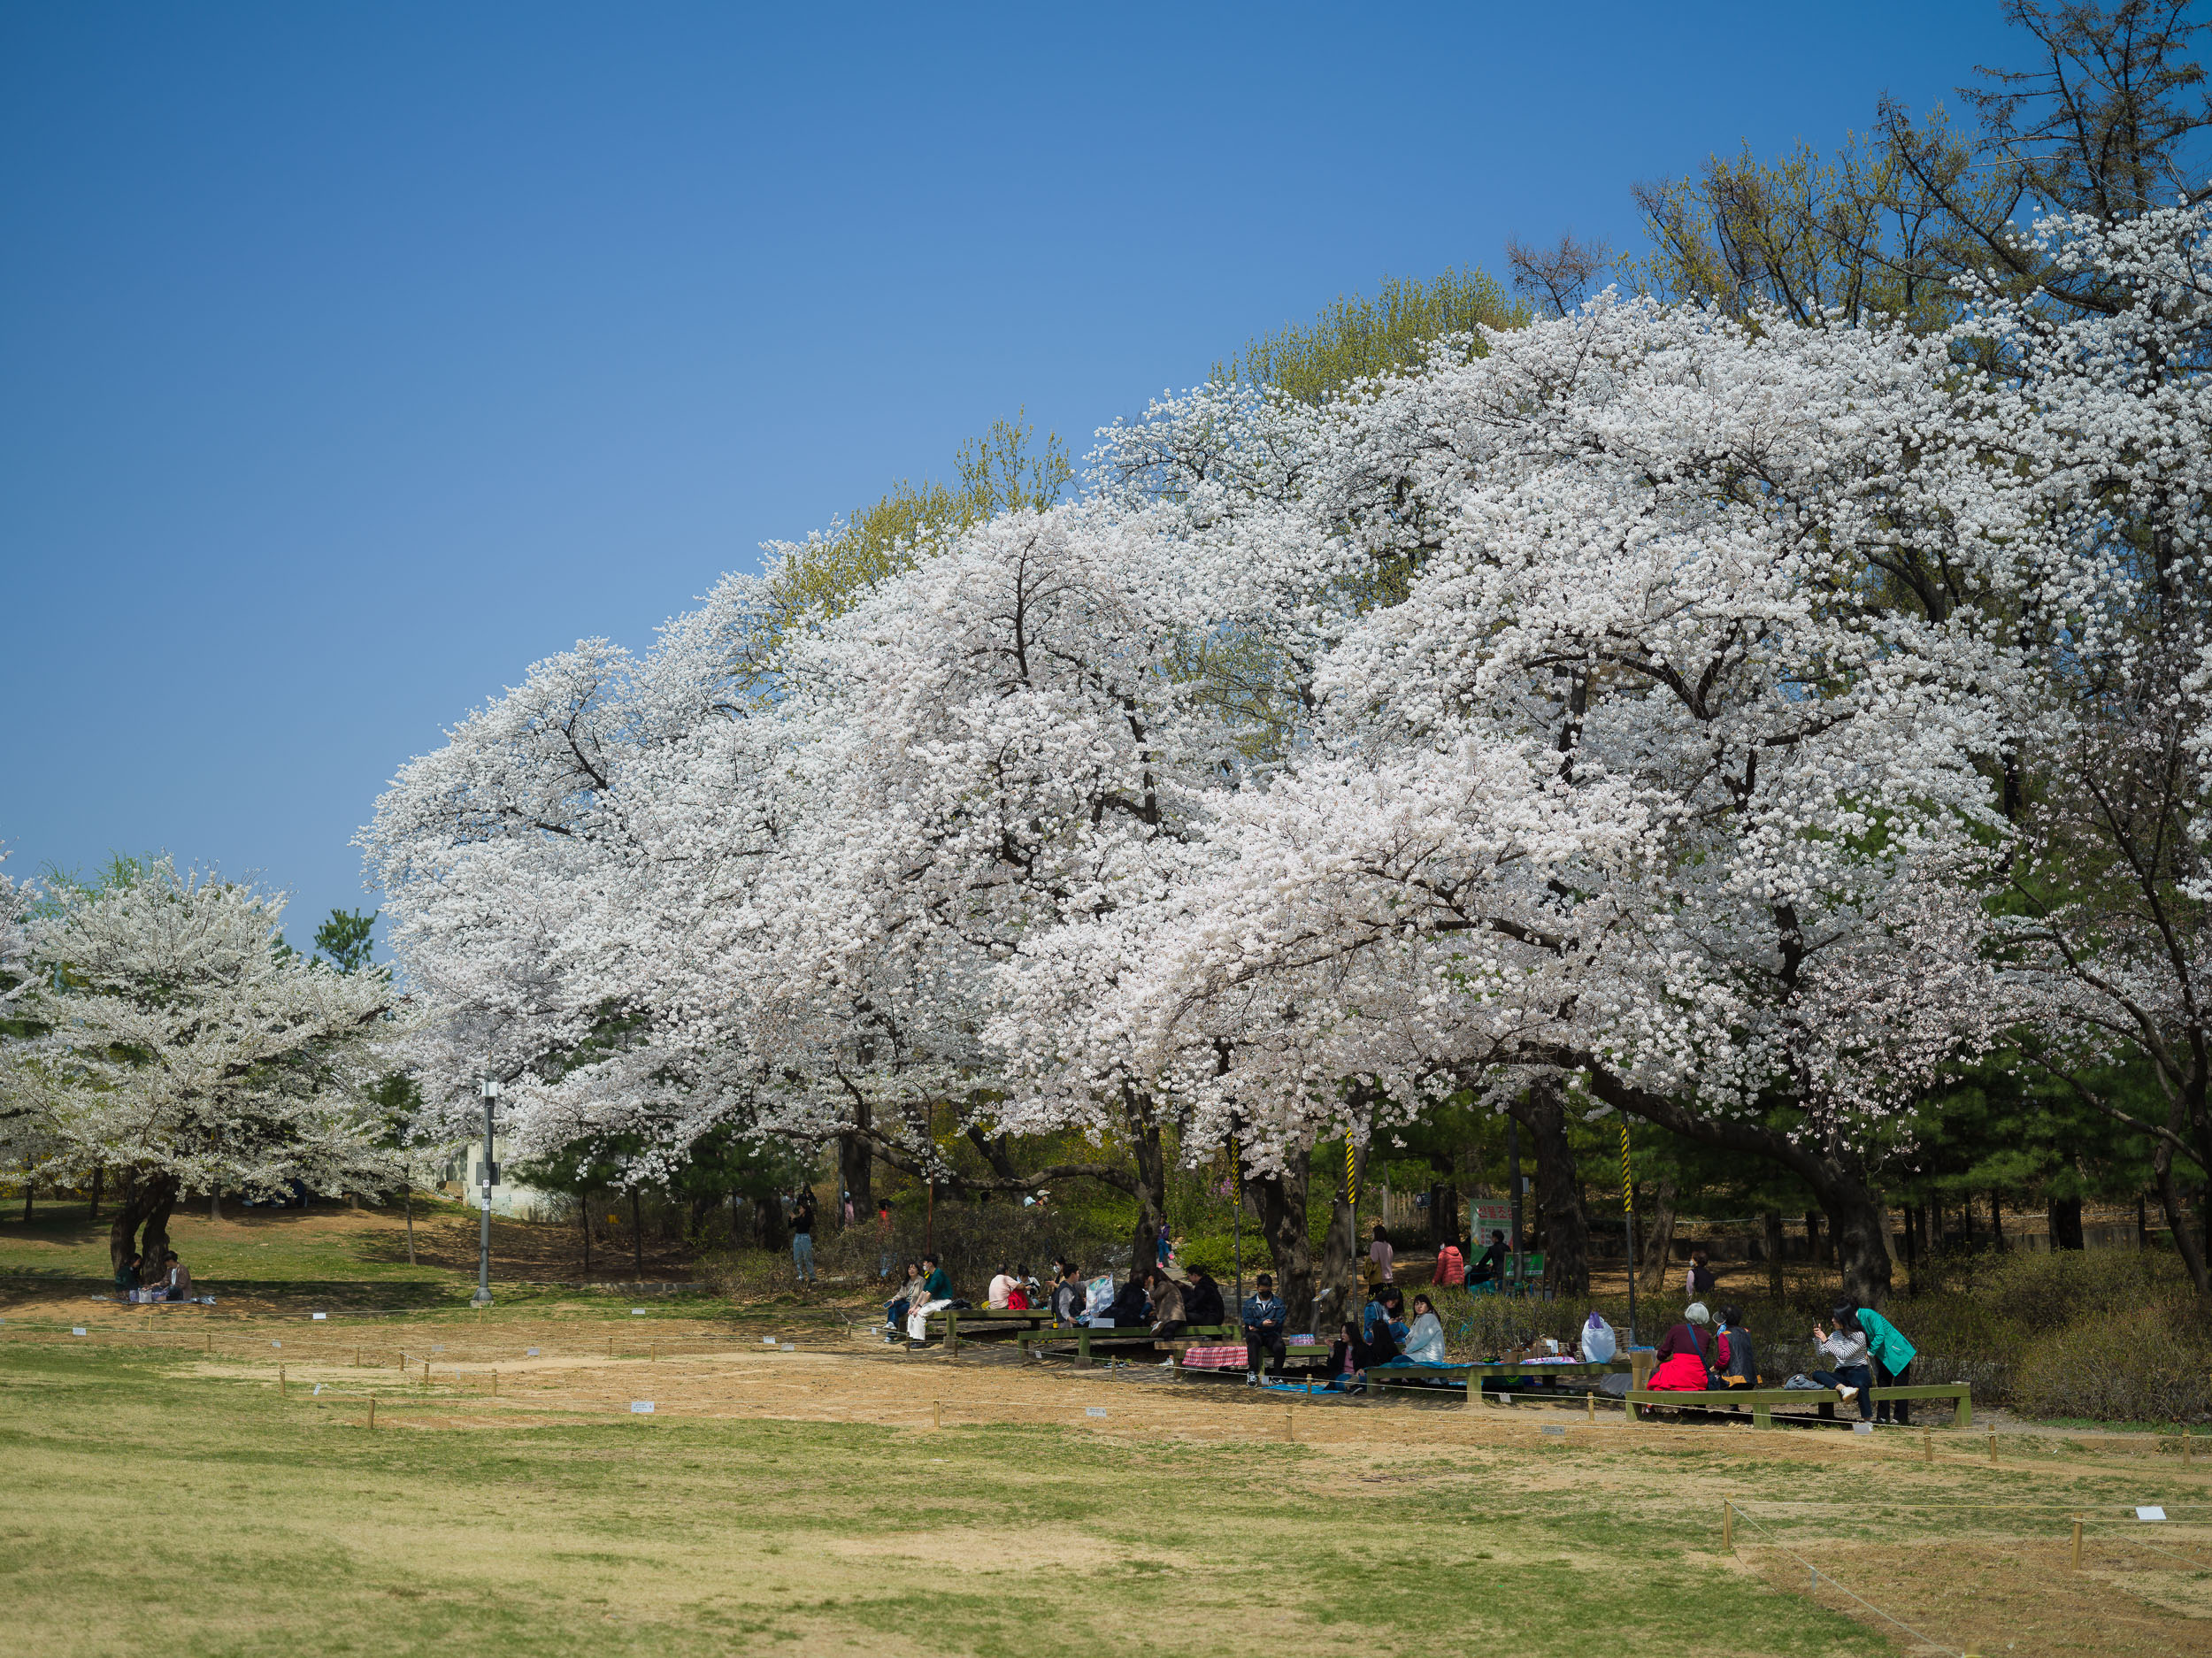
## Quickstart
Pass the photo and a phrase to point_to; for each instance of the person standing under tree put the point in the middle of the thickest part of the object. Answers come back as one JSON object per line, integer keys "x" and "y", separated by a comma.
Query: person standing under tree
{"x": 803, "y": 1234}
{"x": 1382, "y": 1255}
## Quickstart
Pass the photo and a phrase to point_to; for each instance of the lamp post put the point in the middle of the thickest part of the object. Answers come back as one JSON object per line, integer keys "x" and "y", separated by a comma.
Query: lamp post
{"x": 483, "y": 1296}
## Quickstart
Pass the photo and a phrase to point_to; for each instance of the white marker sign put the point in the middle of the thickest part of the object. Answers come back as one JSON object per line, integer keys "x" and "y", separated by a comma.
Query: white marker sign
{"x": 78, "y": 1331}
{"x": 641, "y": 1407}
{"x": 319, "y": 1317}
{"x": 2150, "y": 1514}
{"x": 1094, "y": 1410}
{"x": 530, "y": 1352}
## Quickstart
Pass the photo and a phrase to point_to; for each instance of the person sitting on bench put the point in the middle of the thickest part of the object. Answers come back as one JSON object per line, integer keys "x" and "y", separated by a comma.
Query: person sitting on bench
{"x": 1167, "y": 1306}
{"x": 1425, "y": 1342}
{"x": 1067, "y": 1296}
{"x": 1848, "y": 1373}
{"x": 1263, "y": 1314}
{"x": 1202, "y": 1300}
{"x": 894, "y": 1310}
{"x": 1382, "y": 1332}
{"x": 1685, "y": 1355}
{"x": 934, "y": 1296}
{"x": 1132, "y": 1307}
{"x": 1738, "y": 1363}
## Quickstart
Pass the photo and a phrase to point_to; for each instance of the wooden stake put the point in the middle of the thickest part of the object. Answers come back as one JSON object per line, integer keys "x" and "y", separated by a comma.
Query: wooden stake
{"x": 1993, "y": 1447}
{"x": 371, "y": 1413}
{"x": 652, "y": 1352}
{"x": 495, "y": 1384}
{"x": 2077, "y": 1546}
{"x": 425, "y": 1372}
{"x": 1728, "y": 1526}
{"x": 1927, "y": 1445}
{"x": 1290, "y": 1426}
{"x": 1590, "y": 1407}
{"x": 280, "y": 1380}
{"x": 2185, "y": 1448}
{"x": 357, "y": 1358}
{"x": 936, "y": 1413}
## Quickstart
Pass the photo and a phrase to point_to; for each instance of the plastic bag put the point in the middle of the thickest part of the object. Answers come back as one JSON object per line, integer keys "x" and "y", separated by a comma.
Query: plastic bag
{"x": 1599, "y": 1342}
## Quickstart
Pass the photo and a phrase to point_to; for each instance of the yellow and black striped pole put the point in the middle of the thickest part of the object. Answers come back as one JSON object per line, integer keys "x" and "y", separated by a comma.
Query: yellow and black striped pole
{"x": 1628, "y": 1208}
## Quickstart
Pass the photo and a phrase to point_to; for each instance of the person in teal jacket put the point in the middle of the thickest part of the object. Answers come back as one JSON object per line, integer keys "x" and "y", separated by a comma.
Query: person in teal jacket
{"x": 1891, "y": 1356}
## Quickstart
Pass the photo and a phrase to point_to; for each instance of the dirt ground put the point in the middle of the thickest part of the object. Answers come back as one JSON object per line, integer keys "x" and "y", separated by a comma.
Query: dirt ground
{"x": 1974, "y": 1554}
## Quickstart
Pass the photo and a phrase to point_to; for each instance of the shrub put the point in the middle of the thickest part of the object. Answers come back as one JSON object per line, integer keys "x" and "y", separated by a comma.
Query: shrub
{"x": 2143, "y": 1365}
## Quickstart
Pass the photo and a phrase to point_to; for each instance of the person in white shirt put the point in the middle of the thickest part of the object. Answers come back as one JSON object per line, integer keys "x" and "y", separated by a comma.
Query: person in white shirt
{"x": 1002, "y": 1287}
{"x": 1425, "y": 1342}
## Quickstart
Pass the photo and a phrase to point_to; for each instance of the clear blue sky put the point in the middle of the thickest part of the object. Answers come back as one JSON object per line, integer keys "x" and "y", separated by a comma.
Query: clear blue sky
{"x": 351, "y": 358}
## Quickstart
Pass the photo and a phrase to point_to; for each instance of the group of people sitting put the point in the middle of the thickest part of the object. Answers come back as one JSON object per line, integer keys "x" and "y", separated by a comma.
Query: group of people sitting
{"x": 1864, "y": 1350}
{"x": 172, "y": 1279}
{"x": 1152, "y": 1299}
{"x": 1474, "y": 1268}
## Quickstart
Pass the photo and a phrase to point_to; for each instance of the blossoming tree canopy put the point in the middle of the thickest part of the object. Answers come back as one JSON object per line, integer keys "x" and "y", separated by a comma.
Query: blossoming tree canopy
{"x": 1642, "y": 699}
{"x": 183, "y": 1049}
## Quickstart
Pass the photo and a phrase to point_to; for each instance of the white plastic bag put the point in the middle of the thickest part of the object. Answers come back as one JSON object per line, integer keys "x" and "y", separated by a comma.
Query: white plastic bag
{"x": 1599, "y": 1342}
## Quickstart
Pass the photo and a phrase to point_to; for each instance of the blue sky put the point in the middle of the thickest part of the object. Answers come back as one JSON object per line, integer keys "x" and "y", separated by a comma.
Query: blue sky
{"x": 352, "y": 358}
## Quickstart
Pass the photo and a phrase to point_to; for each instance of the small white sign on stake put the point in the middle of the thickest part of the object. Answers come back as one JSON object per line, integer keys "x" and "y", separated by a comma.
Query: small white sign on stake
{"x": 318, "y": 1390}
{"x": 1557, "y": 1430}
{"x": 641, "y": 1407}
{"x": 437, "y": 1347}
{"x": 637, "y": 1312}
{"x": 276, "y": 1344}
{"x": 768, "y": 1341}
{"x": 319, "y": 1317}
{"x": 78, "y": 1331}
{"x": 1861, "y": 1427}
{"x": 530, "y": 1352}
{"x": 790, "y": 1346}
{"x": 1094, "y": 1410}
{"x": 2153, "y": 1513}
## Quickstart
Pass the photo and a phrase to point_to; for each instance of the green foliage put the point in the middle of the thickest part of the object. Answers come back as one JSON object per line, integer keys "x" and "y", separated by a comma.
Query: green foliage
{"x": 1006, "y": 470}
{"x": 1356, "y": 338}
{"x": 344, "y": 939}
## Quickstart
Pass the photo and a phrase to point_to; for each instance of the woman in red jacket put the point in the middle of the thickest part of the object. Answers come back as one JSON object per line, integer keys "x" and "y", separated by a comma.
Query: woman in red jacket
{"x": 1685, "y": 1353}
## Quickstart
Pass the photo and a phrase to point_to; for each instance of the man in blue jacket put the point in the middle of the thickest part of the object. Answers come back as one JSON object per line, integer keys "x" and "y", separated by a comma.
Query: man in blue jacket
{"x": 1263, "y": 1315}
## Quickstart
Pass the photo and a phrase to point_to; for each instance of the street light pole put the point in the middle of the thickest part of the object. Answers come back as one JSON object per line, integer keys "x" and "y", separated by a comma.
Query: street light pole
{"x": 483, "y": 1296}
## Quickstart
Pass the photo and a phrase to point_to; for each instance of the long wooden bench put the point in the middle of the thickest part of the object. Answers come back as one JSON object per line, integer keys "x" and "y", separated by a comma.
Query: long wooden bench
{"x": 1086, "y": 1338}
{"x": 1761, "y": 1401}
{"x": 952, "y": 1324}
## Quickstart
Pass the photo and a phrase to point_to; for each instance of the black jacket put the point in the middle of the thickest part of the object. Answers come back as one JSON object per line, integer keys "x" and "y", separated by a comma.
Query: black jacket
{"x": 1201, "y": 1303}
{"x": 1129, "y": 1306}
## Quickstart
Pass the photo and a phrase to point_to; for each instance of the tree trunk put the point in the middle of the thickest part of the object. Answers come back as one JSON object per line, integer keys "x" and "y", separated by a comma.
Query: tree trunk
{"x": 1659, "y": 1244}
{"x": 1774, "y": 1285}
{"x": 97, "y": 1171}
{"x": 1812, "y": 1236}
{"x": 637, "y": 1235}
{"x": 215, "y": 1202}
{"x": 1996, "y": 1223}
{"x": 27, "y": 1194}
{"x": 1860, "y": 1249}
{"x": 407, "y": 1188}
{"x": 2170, "y": 1200}
{"x": 1279, "y": 1203}
{"x": 1335, "y": 1296}
{"x": 583, "y": 1213}
{"x": 1543, "y": 1111}
{"x": 2065, "y": 1221}
{"x": 145, "y": 1200}
{"x": 1443, "y": 1214}
{"x": 856, "y": 1168}
{"x": 1144, "y": 1140}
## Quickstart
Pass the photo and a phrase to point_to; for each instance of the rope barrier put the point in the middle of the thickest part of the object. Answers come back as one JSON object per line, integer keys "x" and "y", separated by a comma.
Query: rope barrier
{"x": 1842, "y": 1588}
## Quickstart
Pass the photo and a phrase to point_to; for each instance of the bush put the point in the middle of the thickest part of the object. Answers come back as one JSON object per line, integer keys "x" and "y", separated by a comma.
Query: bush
{"x": 2138, "y": 1366}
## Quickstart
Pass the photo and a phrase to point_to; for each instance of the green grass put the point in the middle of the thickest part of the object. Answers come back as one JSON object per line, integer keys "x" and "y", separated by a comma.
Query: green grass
{"x": 150, "y": 1508}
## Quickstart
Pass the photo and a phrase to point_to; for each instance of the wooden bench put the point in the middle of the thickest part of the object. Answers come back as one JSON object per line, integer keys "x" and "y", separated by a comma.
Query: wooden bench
{"x": 1086, "y": 1338}
{"x": 1761, "y": 1401}
{"x": 979, "y": 1321}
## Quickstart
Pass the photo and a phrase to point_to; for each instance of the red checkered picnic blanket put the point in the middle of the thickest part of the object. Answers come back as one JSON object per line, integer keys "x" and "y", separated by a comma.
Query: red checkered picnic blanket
{"x": 1221, "y": 1358}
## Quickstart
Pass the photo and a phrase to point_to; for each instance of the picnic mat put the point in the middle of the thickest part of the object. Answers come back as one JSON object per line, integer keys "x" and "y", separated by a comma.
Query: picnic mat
{"x": 1225, "y": 1358}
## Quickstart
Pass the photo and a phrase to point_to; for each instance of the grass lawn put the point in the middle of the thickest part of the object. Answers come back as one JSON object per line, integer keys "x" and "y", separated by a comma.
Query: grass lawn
{"x": 153, "y": 1508}
{"x": 360, "y": 1256}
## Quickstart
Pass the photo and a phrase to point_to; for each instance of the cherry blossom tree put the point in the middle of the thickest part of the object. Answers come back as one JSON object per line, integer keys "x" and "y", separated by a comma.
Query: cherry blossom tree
{"x": 181, "y": 1049}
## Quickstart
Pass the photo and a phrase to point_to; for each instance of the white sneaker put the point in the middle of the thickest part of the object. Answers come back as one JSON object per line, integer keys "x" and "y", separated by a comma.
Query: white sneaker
{"x": 1846, "y": 1394}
